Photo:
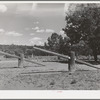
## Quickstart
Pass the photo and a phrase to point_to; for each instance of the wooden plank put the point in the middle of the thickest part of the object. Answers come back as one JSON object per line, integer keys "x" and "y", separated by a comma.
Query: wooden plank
{"x": 7, "y": 54}
{"x": 14, "y": 56}
{"x": 53, "y": 53}
{"x": 33, "y": 62}
{"x": 66, "y": 57}
{"x": 85, "y": 63}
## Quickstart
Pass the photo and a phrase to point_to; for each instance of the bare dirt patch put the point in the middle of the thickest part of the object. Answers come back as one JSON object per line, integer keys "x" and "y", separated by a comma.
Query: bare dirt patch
{"x": 33, "y": 77}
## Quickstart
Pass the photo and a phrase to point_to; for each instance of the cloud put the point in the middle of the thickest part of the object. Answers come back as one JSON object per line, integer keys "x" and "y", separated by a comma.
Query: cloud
{"x": 62, "y": 33}
{"x": 66, "y": 7}
{"x": 2, "y": 31}
{"x": 3, "y": 8}
{"x": 13, "y": 33}
{"x": 37, "y": 38}
{"x": 36, "y": 28}
{"x": 49, "y": 31}
{"x": 10, "y": 33}
{"x": 36, "y": 41}
{"x": 15, "y": 42}
{"x": 40, "y": 31}
{"x": 36, "y": 22}
{"x": 32, "y": 34}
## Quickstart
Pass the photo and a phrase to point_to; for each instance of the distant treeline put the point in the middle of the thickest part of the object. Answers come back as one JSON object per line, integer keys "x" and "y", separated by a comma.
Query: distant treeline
{"x": 55, "y": 43}
{"x": 26, "y": 50}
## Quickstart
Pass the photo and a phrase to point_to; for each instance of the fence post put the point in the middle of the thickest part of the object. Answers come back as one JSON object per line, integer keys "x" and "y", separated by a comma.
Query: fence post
{"x": 21, "y": 60}
{"x": 71, "y": 62}
{"x": 32, "y": 56}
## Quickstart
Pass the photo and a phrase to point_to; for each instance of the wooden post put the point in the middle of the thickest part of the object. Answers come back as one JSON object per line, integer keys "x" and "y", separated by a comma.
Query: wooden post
{"x": 71, "y": 63}
{"x": 21, "y": 60}
{"x": 32, "y": 56}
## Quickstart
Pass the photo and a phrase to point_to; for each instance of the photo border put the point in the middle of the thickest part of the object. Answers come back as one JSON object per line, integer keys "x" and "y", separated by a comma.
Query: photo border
{"x": 50, "y": 94}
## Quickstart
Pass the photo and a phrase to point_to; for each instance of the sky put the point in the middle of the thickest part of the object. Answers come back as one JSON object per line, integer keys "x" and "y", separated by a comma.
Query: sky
{"x": 30, "y": 23}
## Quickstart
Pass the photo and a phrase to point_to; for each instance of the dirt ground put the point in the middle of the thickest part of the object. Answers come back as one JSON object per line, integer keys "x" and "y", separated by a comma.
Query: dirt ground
{"x": 52, "y": 76}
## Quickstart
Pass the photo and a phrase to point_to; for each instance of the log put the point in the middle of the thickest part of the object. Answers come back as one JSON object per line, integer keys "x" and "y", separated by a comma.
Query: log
{"x": 53, "y": 53}
{"x": 14, "y": 56}
{"x": 33, "y": 62}
{"x": 66, "y": 57}
{"x": 7, "y": 54}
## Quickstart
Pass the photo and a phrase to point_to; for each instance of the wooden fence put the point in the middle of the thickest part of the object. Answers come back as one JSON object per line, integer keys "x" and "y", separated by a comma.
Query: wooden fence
{"x": 20, "y": 58}
{"x": 71, "y": 59}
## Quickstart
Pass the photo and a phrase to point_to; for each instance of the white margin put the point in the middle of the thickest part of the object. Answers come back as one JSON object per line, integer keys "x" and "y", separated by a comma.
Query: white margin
{"x": 49, "y": 1}
{"x": 49, "y": 94}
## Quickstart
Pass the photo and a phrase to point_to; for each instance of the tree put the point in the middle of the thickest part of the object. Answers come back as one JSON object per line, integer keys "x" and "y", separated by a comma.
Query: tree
{"x": 28, "y": 52}
{"x": 18, "y": 52}
{"x": 57, "y": 43}
{"x": 83, "y": 24}
{"x": 53, "y": 42}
